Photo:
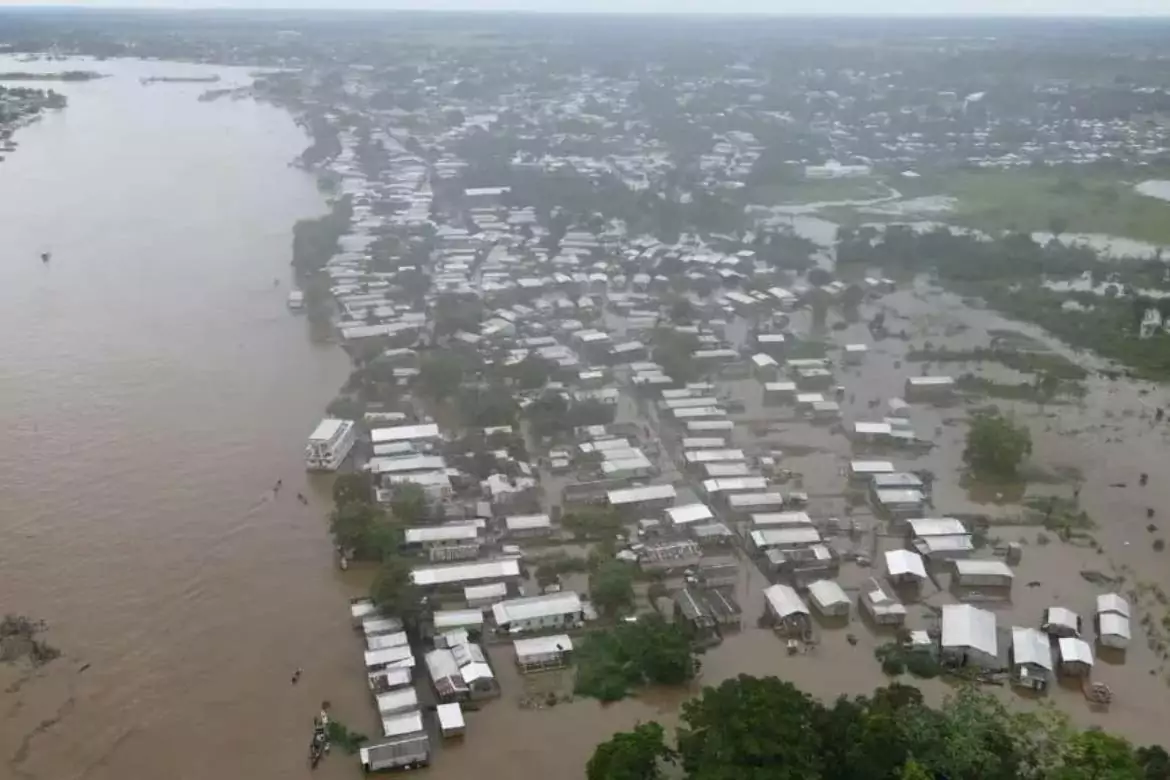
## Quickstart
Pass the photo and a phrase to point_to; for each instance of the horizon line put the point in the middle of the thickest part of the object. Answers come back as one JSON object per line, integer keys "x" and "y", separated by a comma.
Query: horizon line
{"x": 895, "y": 14}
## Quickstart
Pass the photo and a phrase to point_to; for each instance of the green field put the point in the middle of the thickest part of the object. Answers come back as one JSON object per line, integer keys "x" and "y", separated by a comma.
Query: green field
{"x": 1075, "y": 200}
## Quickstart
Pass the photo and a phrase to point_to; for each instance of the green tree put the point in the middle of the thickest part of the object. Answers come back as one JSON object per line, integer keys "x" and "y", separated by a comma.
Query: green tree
{"x": 363, "y": 531}
{"x": 996, "y": 445}
{"x": 611, "y": 587}
{"x": 630, "y": 654}
{"x": 409, "y": 504}
{"x": 440, "y": 375}
{"x": 751, "y": 728}
{"x": 1095, "y": 755}
{"x": 913, "y": 770}
{"x": 675, "y": 351}
{"x": 532, "y": 372}
{"x": 356, "y": 486}
{"x": 395, "y": 592}
{"x": 1155, "y": 762}
{"x": 631, "y": 755}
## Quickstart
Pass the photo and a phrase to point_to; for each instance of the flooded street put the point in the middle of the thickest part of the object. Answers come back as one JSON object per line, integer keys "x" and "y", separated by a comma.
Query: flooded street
{"x": 153, "y": 387}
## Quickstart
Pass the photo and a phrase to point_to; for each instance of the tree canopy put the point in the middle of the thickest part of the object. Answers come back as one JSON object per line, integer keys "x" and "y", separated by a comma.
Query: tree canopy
{"x": 751, "y": 728}
{"x": 649, "y": 650}
{"x": 631, "y": 755}
{"x": 395, "y": 592}
{"x": 611, "y": 587}
{"x": 409, "y": 504}
{"x": 996, "y": 445}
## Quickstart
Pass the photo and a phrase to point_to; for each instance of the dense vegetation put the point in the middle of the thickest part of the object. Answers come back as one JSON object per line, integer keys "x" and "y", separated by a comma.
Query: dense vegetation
{"x": 611, "y": 662}
{"x": 750, "y": 728}
{"x": 316, "y": 240}
{"x": 364, "y": 531}
{"x": 996, "y": 445}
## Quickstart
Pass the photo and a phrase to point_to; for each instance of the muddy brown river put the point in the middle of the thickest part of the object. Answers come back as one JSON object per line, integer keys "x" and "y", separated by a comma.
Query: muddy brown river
{"x": 153, "y": 387}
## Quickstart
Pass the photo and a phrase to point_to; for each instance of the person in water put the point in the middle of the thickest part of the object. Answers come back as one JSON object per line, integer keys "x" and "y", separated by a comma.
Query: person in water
{"x": 276, "y": 488}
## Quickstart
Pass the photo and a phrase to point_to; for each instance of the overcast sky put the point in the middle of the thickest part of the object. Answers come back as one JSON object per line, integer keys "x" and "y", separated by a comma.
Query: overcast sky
{"x": 922, "y": 7}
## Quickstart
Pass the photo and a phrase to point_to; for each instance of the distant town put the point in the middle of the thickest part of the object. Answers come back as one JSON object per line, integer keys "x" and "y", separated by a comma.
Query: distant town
{"x": 755, "y": 364}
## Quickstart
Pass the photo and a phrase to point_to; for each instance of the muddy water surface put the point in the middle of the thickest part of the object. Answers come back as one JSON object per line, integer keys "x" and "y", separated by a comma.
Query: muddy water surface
{"x": 153, "y": 387}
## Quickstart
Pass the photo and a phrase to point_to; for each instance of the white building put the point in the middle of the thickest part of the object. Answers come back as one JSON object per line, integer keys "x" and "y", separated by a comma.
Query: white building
{"x": 829, "y": 598}
{"x": 329, "y": 444}
{"x": 543, "y": 652}
{"x": 538, "y": 613}
{"x": 969, "y": 636}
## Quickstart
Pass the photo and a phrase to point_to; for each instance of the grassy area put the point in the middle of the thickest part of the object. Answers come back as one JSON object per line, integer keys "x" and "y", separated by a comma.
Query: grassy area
{"x": 1078, "y": 200}
{"x": 819, "y": 190}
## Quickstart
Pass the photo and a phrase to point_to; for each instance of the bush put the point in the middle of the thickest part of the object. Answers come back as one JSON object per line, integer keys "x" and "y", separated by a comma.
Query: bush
{"x": 893, "y": 666}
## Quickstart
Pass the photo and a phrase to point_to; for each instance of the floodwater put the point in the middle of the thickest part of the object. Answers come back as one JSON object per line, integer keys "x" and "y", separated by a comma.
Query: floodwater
{"x": 153, "y": 388}
{"x": 1155, "y": 188}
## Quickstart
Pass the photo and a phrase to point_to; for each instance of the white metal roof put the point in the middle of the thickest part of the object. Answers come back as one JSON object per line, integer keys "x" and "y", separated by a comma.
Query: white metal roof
{"x": 689, "y": 513}
{"x": 765, "y": 519}
{"x": 390, "y": 655}
{"x": 713, "y": 456}
{"x": 406, "y": 464}
{"x": 404, "y": 433}
{"x": 492, "y": 590}
{"x": 1030, "y": 646}
{"x": 785, "y": 536}
{"x": 534, "y": 607}
{"x": 902, "y": 562}
{"x": 983, "y": 568}
{"x": 453, "y": 532}
{"x": 872, "y": 428}
{"x": 1074, "y": 649}
{"x": 751, "y": 500}
{"x": 965, "y": 626}
{"x": 375, "y": 624}
{"x": 1113, "y": 624}
{"x": 734, "y": 484}
{"x": 465, "y": 572}
{"x": 362, "y": 608}
{"x": 784, "y": 601}
{"x": 930, "y": 381}
{"x": 1113, "y": 602}
{"x": 542, "y": 645}
{"x": 952, "y": 543}
{"x": 827, "y": 593}
{"x": 401, "y": 725}
{"x": 871, "y": 467}
{"x": 527, "y": 522}
{"x": 327, "y": 429}
{"x": 450, "y": 716}
{"x": 383, "y": 641}
{"x": 400, "y": 700}
{"x": 899, "y": 496}
{"x": 881, "y": 602}
{"x": 780, "y": 387}
{"x": 457, "y": 618}
{"x": 1061, "y": 616}
{"x": 937, "y": 526}
{"x": 639, "y": 494}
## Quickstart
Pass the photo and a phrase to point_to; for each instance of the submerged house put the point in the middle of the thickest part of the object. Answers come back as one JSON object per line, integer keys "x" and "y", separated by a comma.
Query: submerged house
{"x": 969, "y": 636}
